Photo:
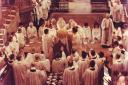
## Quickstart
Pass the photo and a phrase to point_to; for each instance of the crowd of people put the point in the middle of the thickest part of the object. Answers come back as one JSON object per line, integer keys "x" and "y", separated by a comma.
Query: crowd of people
{"x": 63, "y": 53}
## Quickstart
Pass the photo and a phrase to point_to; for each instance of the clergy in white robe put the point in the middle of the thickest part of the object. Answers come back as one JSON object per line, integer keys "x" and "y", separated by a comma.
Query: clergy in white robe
{"x": 100, "y": 64}
{"x": 76, "y": 39}
{"x": 90, "y": 76}
{"x": 31, "y": 31}
{"x": 83, "y": 64}
{"x": 14, "y": 46}
{"x": 58, "y": 65}
{"x": 125, "y": 39}
{"x": 19, "y": 69}
{"x": 87, "y": 33}
{"x": 96, "y": 33}
{"x": 117, "y": 64}
{"x": 71, "y": 75}
{"x": 93, "y": 55}
{"x": 118, "y": 12}
{"x": 29, "y": 59}
{"x": 107, "y": 30}
{"x": 20, "y": 38}
{"x": 46, "y": 63}
{"x": 37, "y": 63}
{"x": 71, "y": 23}
{"x": 44, "y": 6}
{"x": 53, "y": 23}
{"x": 122, "y": 80}
{"x": 125, "y": 57}
{"x": 35, "y": 77}
{"x": 75, "y": 55}
{"x": 47, "y": 42}
{"x": 41, "y": 31}
{"x": 7, "y": 50}
{"x": 23, "y": 29}
{"x": 61, "y": 23}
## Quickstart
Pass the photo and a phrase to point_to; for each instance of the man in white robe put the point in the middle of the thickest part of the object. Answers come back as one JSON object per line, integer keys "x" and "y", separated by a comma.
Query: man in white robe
{"x": 8, "y": 50}
{"x": 125, "y": 62}
{"x": 14, "y": 46}
{"x": 40, "y": 31}
{"x": 31, "y": 31}
{"x": 118, "y": 13}
{"x": 125, "y": 39}
{"x": 58, "y": 64}
{"x": 47, "y": 42}
{"x": 83, "y": 64}
{"x": 20, "y": 38}
{"x": 43, "y": 7}
{"x": 96, "y": 33}
{"x": 61, "y": 23}
{"x": 87, "y": 33}
{"x": 35, "y": 76}
{"x": 76, "y": 39}
{"x": 71, "y": 75}
{"x": 117, "y": 64}
{"x": 19, "y": 69}
{"x": 107, "y": 30}
{"x": 23, "y": 29}
{"x": 90, "y": 76}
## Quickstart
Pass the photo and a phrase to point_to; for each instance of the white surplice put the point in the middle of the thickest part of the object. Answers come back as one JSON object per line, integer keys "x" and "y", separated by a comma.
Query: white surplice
{"x": 31, "y": 32}
{"x": 107, "y": 24}
{"x": 47, "y": 42}
{"x": 90, "y": 76}
{"x": 14, "y": 46}
{"x": 71, "y": 76}
{"x": 21, "y": 39}
{"x": 87, "y": 34}
{"x": 82, "y": 66}
{"x": 96, "y": 34}
{"x": 19, "y": 69}
{"x": 125, "y": 39}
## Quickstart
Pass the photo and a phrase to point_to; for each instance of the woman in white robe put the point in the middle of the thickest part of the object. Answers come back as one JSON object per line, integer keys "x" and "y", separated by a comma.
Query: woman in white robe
{"x": 90, "y": 76}
{"x": 107, "y": 30}
{"x": 31, "y": 31}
